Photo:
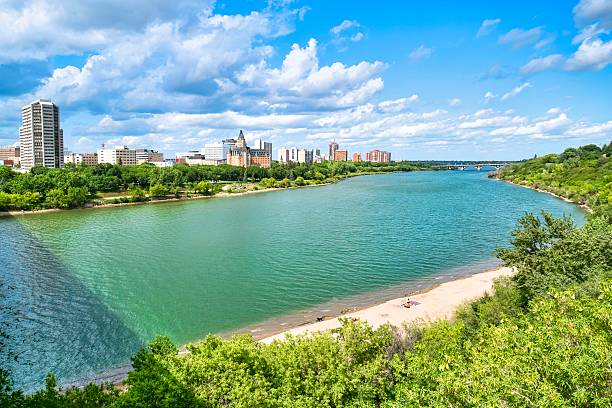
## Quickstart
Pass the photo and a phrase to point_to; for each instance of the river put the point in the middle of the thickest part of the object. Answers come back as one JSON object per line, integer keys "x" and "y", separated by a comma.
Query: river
{"x": 81, "y": 291}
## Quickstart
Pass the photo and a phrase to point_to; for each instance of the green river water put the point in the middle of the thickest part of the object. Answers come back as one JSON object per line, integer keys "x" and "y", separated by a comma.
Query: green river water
{"x": 82, "y": 290}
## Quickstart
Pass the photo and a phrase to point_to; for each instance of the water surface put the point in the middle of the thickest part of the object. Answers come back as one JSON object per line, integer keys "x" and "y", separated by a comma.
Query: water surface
{"x": 83, "y": 290}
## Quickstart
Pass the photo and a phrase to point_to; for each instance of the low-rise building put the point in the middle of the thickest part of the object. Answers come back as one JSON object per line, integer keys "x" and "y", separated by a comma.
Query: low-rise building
{"x": 148, "y": 156}
{"x": 10, "y": 155}
{"x": 182, "y": 157}
{"x": 218, "y": 151}
{"x": 356, "y": 157}
{"x": 117, "y": 155}
{"x": 83, "y": 159}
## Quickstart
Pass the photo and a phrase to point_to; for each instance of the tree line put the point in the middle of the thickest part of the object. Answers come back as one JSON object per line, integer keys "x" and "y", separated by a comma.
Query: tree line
{"x": 583, "y": 175}
{"x": 74, "y": 186}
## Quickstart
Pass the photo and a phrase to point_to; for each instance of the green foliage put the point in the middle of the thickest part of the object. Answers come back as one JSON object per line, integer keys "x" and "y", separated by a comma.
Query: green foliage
{"x": 583, "y": 175}
{"x": 51, "y": 188}
{"x": 158, "y": 190}
{"x": 554, "y": 253}
{"x": 204, "y": 187}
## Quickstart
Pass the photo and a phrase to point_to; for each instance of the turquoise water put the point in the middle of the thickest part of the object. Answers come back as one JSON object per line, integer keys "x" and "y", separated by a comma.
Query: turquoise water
{"x": 83, "y": 290}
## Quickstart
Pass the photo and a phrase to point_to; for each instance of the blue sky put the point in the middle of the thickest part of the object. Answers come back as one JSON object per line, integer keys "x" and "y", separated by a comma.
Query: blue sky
{"x": 425, "y": 80}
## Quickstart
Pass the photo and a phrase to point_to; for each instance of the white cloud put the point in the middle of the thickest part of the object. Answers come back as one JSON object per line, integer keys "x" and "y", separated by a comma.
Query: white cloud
{"x": 397, "y": 105}
{"x": 589, "y": 32}
{"x": 301, "y": 80}
{"x": 537, "y": 129}
{"x": 489, "y": 96}
{"x": 345, "y": 32}
{"x": 585, "y": 129}
{"x": 487, "y": 27}
{"x": 357, "y": 37}
{"x": 519, "y": 38}
{"x": 420, "y": 53}
{"x": 37, "y": 29}
{"x": 454, "y": 102}
{"x": 587, "y": 11}
{"x": 541, "y": 64}
{"x": 363, "y": 125}
{"x": 592, "y": 55}
{"x": 516, "y": 91}
{"x": 343, "y": 26}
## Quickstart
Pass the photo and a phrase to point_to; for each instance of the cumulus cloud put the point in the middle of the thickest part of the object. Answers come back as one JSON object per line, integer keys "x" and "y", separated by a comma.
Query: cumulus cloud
{"x": 420, "y": 53}
{"x": 487, "y": 27}
{"x": 541, "y": 64}
{"x": 516, "y": 91}
{"x": 301, "y": 80}
{"x": 592, "y": 55}
{"x": 587, "y": 11}
{"x": 37, "y": 29}
{"x": 454, "y": 102}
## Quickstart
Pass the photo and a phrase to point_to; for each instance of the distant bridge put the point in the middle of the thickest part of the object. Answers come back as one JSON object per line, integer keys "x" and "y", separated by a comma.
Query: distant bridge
{"x": 475, "y": 165}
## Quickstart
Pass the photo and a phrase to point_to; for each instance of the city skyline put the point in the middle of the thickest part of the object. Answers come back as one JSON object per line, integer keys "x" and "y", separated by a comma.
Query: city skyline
{"x": 504, "y": 82}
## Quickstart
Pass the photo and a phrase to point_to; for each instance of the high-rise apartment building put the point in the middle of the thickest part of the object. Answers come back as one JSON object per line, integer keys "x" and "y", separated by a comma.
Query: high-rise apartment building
{"x": 41, "y": 138}
{"x": 341, "y": 155}
{"x": 333, "y": 146}
{"x": 356, "y": 157}
{"x": 304, "y": 156}
{"x": 378, "y": 156}
{"x": 283, "y": 155}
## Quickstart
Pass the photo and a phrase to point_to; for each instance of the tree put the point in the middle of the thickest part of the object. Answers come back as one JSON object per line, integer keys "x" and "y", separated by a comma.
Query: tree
{"x": 158, "y": 190}
{"x": 204, "y": 188}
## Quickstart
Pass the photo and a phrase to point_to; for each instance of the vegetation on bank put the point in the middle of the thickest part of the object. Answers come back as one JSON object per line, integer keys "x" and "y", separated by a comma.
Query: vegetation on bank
{"x": 75, "y": 186}
{"x": 543, "y": 338}
{"x": 583, "y": 175}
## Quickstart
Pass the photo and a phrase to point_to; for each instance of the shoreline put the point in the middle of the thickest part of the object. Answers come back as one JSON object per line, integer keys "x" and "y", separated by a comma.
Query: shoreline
{"x": 438, "y": 302}
{"x": 585, "y": 207}
{"x": 222, "y": 194}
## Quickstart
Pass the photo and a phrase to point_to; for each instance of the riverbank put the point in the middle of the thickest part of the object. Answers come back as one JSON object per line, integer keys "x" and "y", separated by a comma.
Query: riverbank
{"x": 440, "y": 302}
{"x": 222, "y": 194}
{"x": 585, "y": 207}
{"x": 434, "y": 303}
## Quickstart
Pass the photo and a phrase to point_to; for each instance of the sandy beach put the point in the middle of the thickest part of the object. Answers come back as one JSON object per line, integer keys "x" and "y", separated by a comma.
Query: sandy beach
{"x": 440, "y": 302}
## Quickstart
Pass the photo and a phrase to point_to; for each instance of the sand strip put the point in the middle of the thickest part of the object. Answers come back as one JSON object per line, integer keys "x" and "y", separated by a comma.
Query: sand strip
{"x": 439, "y": 303}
